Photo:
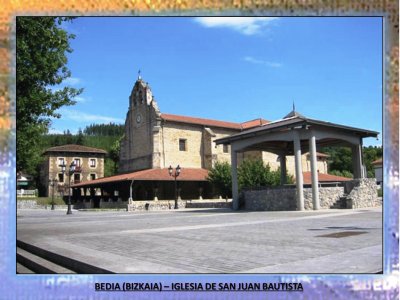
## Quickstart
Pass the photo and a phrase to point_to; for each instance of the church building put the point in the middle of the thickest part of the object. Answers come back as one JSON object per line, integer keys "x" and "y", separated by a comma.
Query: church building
{"x": 153, "y": 141}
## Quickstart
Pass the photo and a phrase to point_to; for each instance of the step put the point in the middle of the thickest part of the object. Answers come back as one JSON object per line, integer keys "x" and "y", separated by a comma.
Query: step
{"x": 23, "y": 270}
{"x": 70, "y": 264}
{"x": 39, "y": 265}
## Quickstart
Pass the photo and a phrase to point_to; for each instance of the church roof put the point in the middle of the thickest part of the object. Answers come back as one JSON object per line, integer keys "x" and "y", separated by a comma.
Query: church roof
{"x": 187, "y": 174}
{"x": 213, "y": 123}
{"x": 75, "y": 148}
{"x": 322, "y": 177}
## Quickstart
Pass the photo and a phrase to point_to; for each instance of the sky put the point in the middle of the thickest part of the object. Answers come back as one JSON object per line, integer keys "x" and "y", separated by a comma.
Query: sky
{"x": 228, "y": 68}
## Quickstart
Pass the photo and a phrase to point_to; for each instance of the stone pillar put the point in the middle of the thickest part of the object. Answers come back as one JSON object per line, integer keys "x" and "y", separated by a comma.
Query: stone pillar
{"x": 282, "y": 160}
{"x": 357, "y": 161}
{"x": 314, "y": 172}
{"x": 299, "y": 171}
{"x": 235, "y": 192}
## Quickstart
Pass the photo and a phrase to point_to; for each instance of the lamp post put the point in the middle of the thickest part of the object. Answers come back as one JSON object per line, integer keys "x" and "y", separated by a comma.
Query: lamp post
{"x": 175, "y": 175}
{"x": 69, "y": 173}
{"x": 52, "y": 183}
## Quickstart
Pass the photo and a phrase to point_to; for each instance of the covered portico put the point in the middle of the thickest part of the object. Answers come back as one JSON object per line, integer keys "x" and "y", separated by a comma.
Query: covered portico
{"x": 293, "y": 135}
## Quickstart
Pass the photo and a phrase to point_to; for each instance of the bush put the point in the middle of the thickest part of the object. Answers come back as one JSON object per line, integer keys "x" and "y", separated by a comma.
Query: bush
{"x": 251, "y": 173}
{"x": 343, "y": 173}
{"x": 254, "y": 173}
{"x": 220, "y": 176}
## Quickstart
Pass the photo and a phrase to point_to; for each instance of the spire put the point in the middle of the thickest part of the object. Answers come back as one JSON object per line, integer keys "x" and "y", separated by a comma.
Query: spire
{"x": 139, "y": 77}
{"x": 293, "y": 113}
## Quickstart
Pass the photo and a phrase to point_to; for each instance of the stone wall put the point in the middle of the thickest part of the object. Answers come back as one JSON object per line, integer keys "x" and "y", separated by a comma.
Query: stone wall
{"x": 32, "y": 204}
{"x": 154, "y": 205}
{"x": 272, "y": 198}
{"x": 328, "y": 196}
{"x": 26, "y": 204}
{"x": 212, "y": 203}
{"x": 362, "y": 193}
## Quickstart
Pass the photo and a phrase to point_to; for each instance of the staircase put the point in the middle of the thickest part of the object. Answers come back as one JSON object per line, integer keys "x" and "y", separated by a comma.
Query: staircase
{"x": 32, "y": 259}
{"x": 341, "y": 203}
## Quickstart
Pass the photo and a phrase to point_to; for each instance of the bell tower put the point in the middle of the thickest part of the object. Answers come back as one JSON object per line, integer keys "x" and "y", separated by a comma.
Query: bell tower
{"x": 141, "y": 129}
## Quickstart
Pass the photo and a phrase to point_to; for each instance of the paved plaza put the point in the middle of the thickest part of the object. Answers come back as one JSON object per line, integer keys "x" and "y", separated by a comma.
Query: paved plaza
{"x": 211, "y": 240}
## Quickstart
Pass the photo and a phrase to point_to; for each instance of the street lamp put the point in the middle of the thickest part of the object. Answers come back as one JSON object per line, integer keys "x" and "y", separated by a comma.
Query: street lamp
{"x": 176, "y": 174}
{"x": 52, "y": 183}
{"x": 70, "y": 172}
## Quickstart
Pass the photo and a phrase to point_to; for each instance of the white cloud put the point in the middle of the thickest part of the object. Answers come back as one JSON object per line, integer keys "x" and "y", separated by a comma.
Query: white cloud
{"x": 262, "y": 62}
{"x": 244, "y": 25}
{"x": 82, "y": 117}
{"x": 81, "y": 99}
{"x": 55, "y": 131}
{"x": 72, "y": 81}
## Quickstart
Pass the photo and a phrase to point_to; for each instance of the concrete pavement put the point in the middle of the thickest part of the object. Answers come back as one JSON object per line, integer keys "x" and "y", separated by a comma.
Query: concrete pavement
{"x": 212, "y": 240}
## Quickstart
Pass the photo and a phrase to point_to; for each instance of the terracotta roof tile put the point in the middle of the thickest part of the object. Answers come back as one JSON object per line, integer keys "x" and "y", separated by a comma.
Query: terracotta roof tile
{"x": 187, "y": 174}
{"x": 319, "y": 154}
{"x": 75, "y": 148}
{"x": 213, "y": 123}
{"x": 253, "y": 123}
{"x": 323, "y": 178}
{"x": 377, "y": 162}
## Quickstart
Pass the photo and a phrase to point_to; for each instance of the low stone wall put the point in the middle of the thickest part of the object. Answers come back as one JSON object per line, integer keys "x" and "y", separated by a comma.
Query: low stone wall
{"x": 154, "y": 205}
{"x": 32, "y": 204}
{"x": 211, "y": 203}
{"x": 360, "y": 193}
{"x": 327, "y": 196}
{"x": 26, "y": 204}
{"x": 271, "y": 198}
{"x": 363, "y": 193}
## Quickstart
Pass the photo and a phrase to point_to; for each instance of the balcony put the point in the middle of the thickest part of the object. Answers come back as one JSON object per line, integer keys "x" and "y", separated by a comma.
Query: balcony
{"x": 78, "y": 169}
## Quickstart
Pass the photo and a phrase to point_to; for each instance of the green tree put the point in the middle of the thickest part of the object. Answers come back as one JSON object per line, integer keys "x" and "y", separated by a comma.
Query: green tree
{"x": 113, "y": 154}
{"x": 41, "y": 64}
{"x": 220, "y": 177}
{"x": 80, "y": 140}
{"x": 254, "y": 173}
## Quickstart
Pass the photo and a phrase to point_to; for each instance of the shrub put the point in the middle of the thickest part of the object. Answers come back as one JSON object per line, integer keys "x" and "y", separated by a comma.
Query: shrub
{"x": 220, "y": 176}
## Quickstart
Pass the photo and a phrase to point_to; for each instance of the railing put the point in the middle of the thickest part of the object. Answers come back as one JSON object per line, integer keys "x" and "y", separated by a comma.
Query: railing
{"x": 26, "y": 193}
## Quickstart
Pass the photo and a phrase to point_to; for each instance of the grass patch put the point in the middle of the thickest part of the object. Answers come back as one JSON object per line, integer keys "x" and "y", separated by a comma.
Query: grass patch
{"x": 380, "y": 192}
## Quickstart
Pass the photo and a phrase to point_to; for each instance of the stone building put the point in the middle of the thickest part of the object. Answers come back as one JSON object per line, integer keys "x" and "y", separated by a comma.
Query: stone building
{"x": 155, "y": 140}
{"x": 89, "y": 164}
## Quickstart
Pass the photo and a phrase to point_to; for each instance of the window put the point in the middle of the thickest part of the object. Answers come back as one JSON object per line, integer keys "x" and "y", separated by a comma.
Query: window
{"x": 92, "y": 163}
{"x": 77, "y": 162}
{"x": 225, "y": 148}
{"x": 61, "y": 177}
{"x": 92, "y": 176}
{"x": 182, "y": 145}
{"x": 61, "y": 161}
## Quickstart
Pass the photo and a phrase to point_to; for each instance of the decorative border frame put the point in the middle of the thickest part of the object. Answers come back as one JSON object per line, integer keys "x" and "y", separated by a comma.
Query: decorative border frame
{"x": 384, "y": 285}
